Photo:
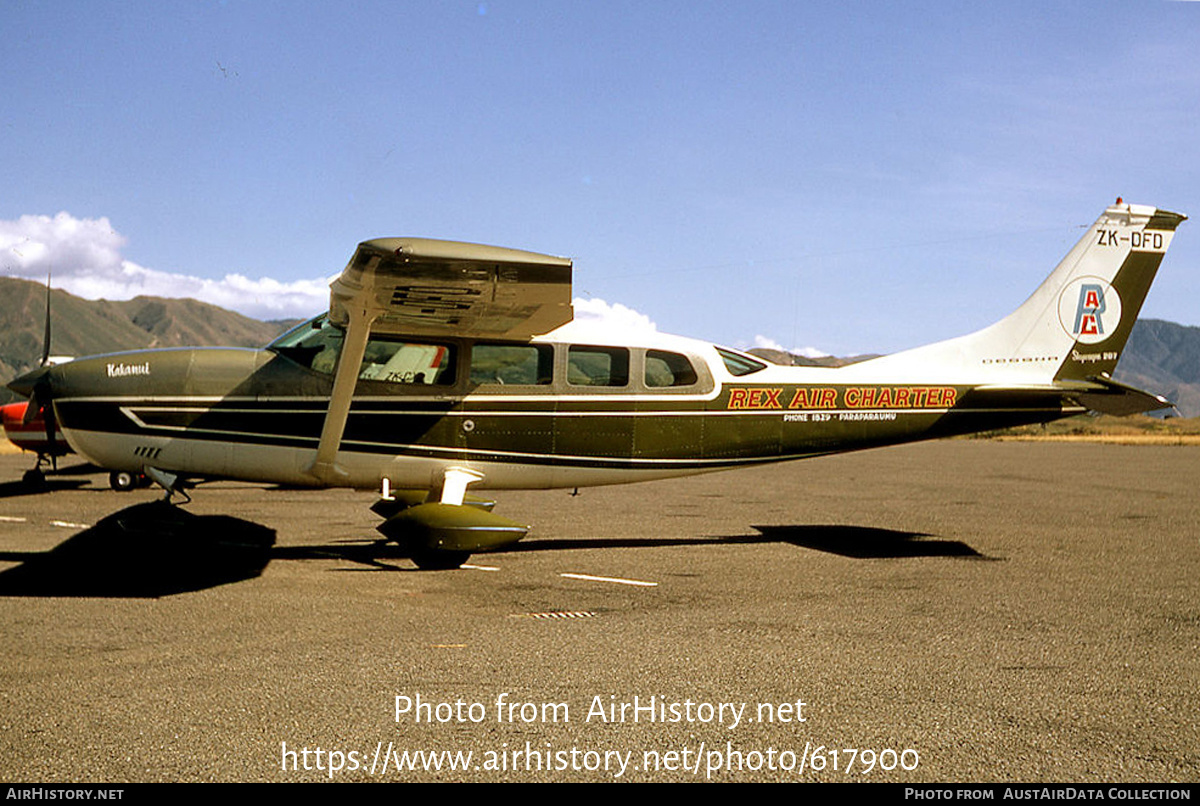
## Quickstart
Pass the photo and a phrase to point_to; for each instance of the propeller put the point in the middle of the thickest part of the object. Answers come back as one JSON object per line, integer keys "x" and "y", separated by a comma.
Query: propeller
{"x": 41, "y": 396}
{"x": 46, "y": 335}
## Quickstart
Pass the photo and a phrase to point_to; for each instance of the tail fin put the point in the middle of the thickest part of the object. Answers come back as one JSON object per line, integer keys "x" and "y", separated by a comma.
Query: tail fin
{"x": 1076, "y": 323}
{"x": 1099, "y": 298}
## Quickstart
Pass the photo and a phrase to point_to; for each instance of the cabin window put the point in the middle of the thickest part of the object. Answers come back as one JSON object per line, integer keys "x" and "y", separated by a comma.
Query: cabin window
{"x": 597, "y": 366}
{"x": 739, "y": 363}
{"x": 520, "y": 364}
{"x": 407, "y": 362}
{"x": 668, "y": 369}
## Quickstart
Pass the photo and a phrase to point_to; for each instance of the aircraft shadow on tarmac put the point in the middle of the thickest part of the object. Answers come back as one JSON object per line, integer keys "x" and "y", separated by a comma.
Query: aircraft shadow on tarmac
{"x": 859, "y": 542}
{"x": 156, "y": 549}
{"x": 866, "y": 542}
{"x": 143, "y": 551}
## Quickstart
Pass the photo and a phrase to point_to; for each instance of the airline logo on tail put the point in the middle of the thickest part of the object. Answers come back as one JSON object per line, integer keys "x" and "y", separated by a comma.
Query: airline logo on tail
{"x": 1089, "y": 309}
{"x": 1091, "y": 306}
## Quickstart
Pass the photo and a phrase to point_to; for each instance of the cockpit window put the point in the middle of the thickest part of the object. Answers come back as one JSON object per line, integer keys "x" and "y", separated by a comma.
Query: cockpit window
{"x": 314, "y": 344}
{"x": 739, "y": 363}
{"x": 317, "y": 344}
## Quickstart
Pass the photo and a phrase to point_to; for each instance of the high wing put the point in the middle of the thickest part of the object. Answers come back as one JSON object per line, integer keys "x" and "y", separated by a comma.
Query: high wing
{"x": 425, "y": 287}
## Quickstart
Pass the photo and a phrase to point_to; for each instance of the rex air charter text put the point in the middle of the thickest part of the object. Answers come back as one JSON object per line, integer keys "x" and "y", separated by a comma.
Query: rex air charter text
{"x": 850, "y": 397}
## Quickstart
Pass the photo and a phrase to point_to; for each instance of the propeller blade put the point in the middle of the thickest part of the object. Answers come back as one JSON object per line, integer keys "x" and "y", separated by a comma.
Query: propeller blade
{"x": 31, "y": 408}
{"x": 46, "y": 335}
{"x": 51, "y": 424}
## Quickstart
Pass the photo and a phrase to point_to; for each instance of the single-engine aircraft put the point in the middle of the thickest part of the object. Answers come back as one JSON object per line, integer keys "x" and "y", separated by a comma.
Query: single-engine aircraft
{"x": 442, "y": 365}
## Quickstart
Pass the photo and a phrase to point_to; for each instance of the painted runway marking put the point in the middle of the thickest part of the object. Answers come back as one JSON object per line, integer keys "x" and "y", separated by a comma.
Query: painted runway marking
{"x": 557, "y": 614}
{"x": 69, "y": 525}
{"x": 11, "y": 519}
{"x": 480, "y": 567}
{"x": 618, "y": 580}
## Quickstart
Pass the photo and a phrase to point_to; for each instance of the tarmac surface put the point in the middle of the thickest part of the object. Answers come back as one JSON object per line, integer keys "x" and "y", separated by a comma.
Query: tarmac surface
{"x": 955, "y": 611}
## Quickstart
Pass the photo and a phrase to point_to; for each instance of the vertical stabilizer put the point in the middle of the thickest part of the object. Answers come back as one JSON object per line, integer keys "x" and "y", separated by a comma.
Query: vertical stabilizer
{"x": 1075, "y": 324}
{"x": 1097, "y": 304}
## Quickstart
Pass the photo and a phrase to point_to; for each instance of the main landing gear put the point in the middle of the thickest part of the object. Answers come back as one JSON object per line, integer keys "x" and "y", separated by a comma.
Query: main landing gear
{"x": 443, "y": 534}
{"x": 125, "y": 480}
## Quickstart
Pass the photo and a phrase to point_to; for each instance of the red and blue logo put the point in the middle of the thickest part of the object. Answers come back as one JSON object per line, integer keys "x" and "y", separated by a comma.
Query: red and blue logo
{"x": 1089, "y": 309}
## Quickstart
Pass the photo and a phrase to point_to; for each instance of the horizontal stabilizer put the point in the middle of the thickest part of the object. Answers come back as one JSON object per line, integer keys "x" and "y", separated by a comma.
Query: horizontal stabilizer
{"x": 1099, "y": 393}
{"x": 1117, "y": 398}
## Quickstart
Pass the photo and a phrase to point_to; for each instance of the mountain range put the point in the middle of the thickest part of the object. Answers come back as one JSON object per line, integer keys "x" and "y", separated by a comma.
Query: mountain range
{"x": 1161, "y": 357}
{"x": 90, "y": 327}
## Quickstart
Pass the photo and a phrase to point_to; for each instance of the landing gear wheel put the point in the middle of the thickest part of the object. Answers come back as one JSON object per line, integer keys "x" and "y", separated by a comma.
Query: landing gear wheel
{"x": 122, "y": 480}
{"x": 438, "y": 560}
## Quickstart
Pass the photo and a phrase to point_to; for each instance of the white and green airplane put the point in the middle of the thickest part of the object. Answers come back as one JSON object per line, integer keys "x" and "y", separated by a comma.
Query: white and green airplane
{"x": 443, "y": 365}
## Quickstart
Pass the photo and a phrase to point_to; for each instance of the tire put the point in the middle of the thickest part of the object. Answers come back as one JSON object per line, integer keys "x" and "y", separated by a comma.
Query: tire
{"x": 436, "y": 560}
{"x": 122, "y": 480}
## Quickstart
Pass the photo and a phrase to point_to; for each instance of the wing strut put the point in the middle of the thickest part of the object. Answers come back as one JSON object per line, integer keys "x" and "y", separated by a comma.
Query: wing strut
{"x": 358, "y": 329}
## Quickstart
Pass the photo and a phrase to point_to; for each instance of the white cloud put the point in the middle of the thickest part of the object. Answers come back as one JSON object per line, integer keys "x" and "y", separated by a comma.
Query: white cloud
{"x": 597, "y": 312}
{"x": 84, "y": 256}
{"x": 597, "y": 320}
{"x": 770, "y": 344}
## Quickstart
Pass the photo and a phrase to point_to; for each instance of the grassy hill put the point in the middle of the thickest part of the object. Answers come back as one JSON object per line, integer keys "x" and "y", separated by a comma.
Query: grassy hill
{"x": 1137, "y": 429}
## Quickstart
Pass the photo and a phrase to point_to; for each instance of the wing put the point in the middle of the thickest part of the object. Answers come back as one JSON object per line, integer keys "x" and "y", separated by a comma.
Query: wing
{"x": 424, "y": 287}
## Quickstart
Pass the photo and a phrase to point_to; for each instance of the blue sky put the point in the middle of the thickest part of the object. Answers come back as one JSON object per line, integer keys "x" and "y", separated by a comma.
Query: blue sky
{"x": 850, "y": 177}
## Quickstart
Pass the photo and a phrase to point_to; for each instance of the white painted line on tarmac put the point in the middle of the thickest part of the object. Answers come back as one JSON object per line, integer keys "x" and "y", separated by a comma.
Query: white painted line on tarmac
{"x": 618, "y": 580}
{"x": 480, "y": 567}
{"x": 69, "y": 525}
{"x": 11, "y": 519}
